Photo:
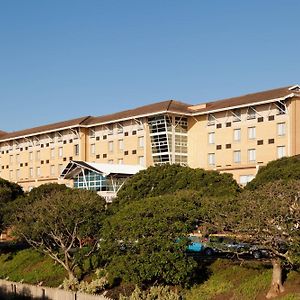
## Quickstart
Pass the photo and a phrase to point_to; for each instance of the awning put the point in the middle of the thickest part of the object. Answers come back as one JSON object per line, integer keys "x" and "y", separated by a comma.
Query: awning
{"x": 74, "y": 167}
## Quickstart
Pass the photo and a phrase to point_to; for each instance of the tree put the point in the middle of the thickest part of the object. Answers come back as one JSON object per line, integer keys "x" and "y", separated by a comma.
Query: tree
{"x": 40, "y": 192}
{"x": 62, "y": 224}
{"x": 145, "y": 241}
{"x": 286, "y": 168}
{"x": 167, "y": 179}
{"x": 9, "y": 191}
{"x": 270, "y": 215}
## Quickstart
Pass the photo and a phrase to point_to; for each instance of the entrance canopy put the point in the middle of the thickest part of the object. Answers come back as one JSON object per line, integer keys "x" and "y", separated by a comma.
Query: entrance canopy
{"x": 106, "y": 179}
{"x": 75, "y": 167}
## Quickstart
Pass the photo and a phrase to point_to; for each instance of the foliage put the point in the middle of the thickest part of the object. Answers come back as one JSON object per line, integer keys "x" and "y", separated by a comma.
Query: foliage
{"x": 12, "y": 208}
{"x": 96, "y": 286}
{"x": 63, "y": 224}
{"x": 9, "y": 191}
{"x": 144, "y": 241}
{"x": 167, "y": 179}
{"x": 32, "y": 267}
{"x": 271, "y": 215}
{"x": 286, "y": 168}
{"x": 155, "y": 292}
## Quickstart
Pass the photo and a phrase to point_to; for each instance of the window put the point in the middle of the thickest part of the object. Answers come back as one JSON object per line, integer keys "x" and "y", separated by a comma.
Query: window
{"x": 10, "y": 159}
{"x": 30, "y": 156}
{"x": 236, "y": 115}
{"x": 244, "y": 179}
{"x": 31, "y": 172}
{"x": 17, "y": 173}
{"x": 11, "y": 174}
{"x": 281, "y": 129}
{"x": 251, "y": 133}
{"x": 280, "y": 151}
{"x": 110, "y": 161}
{"x": 121, "y": 145}
{"x": 237, "y": 156}
{"x": 141, "y": 160}
{"x": 211, "y": 159}
{"x": 260, "y": 119}
{"x": 92, "y": 132}
{"x": 17, "y": 158}
{"x": 76, "y": 150}
{"x": 38, "y": 155}
{"x": 211, "y": 137}
{"x": 93, "y": 149}
{"x": 38, "y": 171}
{"x": 60, "y": 168}
{"x": 141, "y": 141}
{"x": 210, "y": 120}
{"x": 52, "y": 153}
{"x": 110, "y": 146}
{"x": 120, "y": 161}
{"x": 52, "y": 170}
{"x": 251, "y": 155}
{"x": 251, "y": 113}
{"x": 281, "y": 107}
{"x": 60, "y": 152}
{"x": 237, "y": 135}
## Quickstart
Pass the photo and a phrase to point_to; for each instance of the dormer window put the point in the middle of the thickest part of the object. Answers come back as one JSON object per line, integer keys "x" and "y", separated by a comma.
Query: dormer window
{"x": 236, "y": 115}
{"x": 281, "y": 107}
{"x": 211, "y": 120}
{"x": 251, "y": 113}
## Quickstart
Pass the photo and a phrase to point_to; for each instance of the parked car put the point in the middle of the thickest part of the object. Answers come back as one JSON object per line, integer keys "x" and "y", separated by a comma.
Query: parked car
{"x": 198, "y": 247}
{"x": 226, "y": 244}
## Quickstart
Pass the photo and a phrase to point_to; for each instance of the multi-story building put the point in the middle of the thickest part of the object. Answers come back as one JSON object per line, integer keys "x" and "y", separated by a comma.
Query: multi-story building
{"x": 236, "y": 135}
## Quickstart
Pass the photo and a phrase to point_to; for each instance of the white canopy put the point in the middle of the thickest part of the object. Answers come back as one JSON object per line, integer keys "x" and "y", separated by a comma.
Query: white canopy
{"x": 74, "y": 167}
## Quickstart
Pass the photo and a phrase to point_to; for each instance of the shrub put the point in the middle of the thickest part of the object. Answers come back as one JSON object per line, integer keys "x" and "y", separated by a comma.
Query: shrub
{"x": 167, "y": 179}
{"x": 286, "y": 169}
{"x": 155, "y": 292}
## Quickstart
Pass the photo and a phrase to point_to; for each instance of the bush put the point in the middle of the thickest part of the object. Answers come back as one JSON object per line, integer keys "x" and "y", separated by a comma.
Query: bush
{"x": 167, "y": 179}
{"x": 155, "y": 292}
{"x": 285, "y": 169}
{"x": 141, "y": 244}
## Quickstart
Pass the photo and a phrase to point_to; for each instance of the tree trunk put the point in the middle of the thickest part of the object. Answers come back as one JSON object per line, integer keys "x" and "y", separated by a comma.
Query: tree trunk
{"x": 276, "y": 285}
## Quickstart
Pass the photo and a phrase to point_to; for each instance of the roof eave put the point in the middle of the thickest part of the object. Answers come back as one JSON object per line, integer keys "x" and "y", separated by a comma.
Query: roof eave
{"x": 244, "y": 105}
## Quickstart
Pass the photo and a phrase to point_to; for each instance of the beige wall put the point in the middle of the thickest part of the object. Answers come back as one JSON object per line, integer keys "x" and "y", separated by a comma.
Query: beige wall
{"x": 224, "y": 144}
{"x": 41, "y": 158}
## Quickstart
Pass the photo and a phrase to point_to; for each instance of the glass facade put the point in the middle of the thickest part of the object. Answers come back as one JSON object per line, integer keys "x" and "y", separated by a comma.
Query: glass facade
{"x": 97, "y": 182}
{"x": 168, "y": 139}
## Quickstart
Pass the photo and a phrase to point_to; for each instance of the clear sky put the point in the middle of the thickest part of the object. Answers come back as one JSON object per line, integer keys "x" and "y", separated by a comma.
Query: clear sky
{"x": 62, "y": 59}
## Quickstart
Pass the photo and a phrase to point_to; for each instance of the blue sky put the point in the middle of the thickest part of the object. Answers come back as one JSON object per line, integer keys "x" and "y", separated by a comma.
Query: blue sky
{"x": 62, "y": 59}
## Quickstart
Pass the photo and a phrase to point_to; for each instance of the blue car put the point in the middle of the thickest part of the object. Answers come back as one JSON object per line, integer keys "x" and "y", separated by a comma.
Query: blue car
{"x": 196, "y": 246}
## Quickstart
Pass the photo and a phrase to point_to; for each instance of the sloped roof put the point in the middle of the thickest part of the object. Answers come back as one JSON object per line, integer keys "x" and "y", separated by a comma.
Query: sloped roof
{"x": 74, "y": 167}
{"x": 164, "y": 106}
{"x": 171, "y": 106}
{"x": 244, "y": 99}
{"x": 2, "y": 132}
{"x": 44, "y": 128}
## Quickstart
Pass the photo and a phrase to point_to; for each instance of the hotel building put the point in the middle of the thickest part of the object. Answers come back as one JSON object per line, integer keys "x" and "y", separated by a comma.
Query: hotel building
{"x": 236, "y": 135}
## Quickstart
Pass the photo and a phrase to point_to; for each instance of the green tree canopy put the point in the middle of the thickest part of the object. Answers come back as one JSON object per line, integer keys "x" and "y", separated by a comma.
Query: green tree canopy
{"x": 167, "y": 179}
{"x": 9, "y": 191}
{"x": 286, "y": 168}
{"x": 270, "y": 217}
{"x": 144, "y": 242}
{"x": 61, "y": 223}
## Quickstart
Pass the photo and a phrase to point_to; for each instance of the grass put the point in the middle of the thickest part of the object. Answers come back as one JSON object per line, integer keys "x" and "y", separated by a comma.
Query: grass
{"x": 249, "y": 281}
{"x": 31, "y": 267}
